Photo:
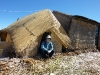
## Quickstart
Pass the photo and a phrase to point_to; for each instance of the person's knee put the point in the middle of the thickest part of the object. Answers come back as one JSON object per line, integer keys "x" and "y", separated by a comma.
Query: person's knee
{"x": 52, "y": 51}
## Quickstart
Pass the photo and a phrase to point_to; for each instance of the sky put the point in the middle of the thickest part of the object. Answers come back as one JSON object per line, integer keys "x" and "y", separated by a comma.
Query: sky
{"x": 11, "y": 10}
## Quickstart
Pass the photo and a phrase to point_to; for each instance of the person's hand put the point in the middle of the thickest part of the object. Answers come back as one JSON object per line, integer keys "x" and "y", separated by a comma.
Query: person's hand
{"x": 49, "y": 51}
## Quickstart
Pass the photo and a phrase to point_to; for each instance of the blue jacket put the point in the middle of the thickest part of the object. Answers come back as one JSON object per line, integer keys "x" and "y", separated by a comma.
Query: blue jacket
{"x": 46, "y": 46}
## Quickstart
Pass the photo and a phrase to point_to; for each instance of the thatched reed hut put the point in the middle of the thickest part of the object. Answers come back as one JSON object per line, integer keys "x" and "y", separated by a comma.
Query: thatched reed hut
{"x": 83, "y": 33}
{"x": 72, "y": 32}
{"x": 26, "y": 33}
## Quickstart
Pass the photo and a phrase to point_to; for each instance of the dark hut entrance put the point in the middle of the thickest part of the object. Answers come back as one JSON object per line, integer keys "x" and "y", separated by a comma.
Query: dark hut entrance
{"x": 6, "y": 45}
{"x": 57, "y": 45}
{"x": 44, "y": 38}
{"x": 97, "y": 37}
{"x": 3, "y": 36}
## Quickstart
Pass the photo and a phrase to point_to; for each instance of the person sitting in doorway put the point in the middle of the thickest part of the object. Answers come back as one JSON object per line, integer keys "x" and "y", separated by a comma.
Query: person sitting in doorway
{"x": 47, "y": 47}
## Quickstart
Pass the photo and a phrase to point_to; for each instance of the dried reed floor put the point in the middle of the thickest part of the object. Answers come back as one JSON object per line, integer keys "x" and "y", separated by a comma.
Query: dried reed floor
{"x": 82, "y": 64}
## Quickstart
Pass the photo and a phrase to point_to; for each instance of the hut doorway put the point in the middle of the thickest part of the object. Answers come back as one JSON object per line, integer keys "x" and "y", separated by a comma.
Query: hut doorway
{"x": 6, "y": 45}
{"x": 97, "y": 37}
{"x": 56, "y": 44}
{"x": 44, "y": 38}
{"x": 3, "y": 36}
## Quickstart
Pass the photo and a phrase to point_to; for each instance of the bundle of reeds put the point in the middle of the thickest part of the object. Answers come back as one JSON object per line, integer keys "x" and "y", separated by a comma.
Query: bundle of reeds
{"x": 82, "y": 34}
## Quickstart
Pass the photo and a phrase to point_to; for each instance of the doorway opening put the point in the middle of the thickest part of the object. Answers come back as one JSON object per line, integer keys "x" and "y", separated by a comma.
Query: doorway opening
{"x": 3, "y": 36}
{"x": 44, "y": 38}
{"x": 97, "y": 37}
{"x": 6, "y": 45}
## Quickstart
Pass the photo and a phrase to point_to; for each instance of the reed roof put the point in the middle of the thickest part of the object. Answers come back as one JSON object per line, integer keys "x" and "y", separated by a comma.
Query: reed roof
{"x": 26, "y": 31}
{"x": 64, "y": 19}
{"x": 85, "y": 19}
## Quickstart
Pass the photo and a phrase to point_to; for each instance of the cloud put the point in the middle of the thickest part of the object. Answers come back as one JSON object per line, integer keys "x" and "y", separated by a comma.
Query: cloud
{"x": 9, "y": 11}
{"x": 27, "y": 11}
{"x": 36, "y": 10}
{"x": 16, "y": 11}
{"x": 30, "y": 11}
{"x": 4, "y": 10}
{"x": 22, "y": 11}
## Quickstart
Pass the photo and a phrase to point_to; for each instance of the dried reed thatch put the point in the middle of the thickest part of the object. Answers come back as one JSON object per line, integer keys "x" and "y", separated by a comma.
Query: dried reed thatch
{"x": 99, "y": 39}
{"x": 82, "y": 33}
{"x": 90, "y": 25}
{"x": 26, "y": 32}
{"x": 64, "y": 19}
{"x": 57, "y": 45}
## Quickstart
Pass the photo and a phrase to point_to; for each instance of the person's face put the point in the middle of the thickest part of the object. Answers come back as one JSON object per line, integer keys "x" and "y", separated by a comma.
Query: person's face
{"x": 48, "y": 40}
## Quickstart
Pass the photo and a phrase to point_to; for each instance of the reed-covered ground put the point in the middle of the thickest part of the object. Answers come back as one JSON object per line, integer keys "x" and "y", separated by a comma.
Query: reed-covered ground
{"x": 60, "y": 64}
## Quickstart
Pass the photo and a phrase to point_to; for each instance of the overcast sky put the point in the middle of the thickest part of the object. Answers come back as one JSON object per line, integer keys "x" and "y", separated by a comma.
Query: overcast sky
{"x": 11, "y": 10}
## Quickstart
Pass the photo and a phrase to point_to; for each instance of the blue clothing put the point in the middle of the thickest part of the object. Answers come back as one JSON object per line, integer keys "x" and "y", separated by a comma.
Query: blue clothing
{"x": 47, "y": 46}
{"x": 45, "y": 54}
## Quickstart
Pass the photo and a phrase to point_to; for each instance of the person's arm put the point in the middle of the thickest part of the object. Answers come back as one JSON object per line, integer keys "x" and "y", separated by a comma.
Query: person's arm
{"x": 43, "y": 47}
{"x": 51, "y": 46}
